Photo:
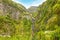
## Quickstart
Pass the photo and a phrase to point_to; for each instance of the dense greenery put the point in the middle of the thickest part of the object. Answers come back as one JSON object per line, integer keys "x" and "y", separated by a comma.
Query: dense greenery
{"x": 48, "y": 20}
{"x": 42, "y": 24}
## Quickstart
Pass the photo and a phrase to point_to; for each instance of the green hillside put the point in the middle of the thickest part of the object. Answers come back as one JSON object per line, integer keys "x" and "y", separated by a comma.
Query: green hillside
{"x": 35, "y": 23}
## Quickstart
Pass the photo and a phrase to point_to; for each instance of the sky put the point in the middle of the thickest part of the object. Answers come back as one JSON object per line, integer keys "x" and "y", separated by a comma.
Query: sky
{"x": 29, "y": 3}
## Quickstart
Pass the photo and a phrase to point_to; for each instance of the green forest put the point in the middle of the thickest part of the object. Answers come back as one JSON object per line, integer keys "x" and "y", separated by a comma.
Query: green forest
{"x": 35, "y": 23}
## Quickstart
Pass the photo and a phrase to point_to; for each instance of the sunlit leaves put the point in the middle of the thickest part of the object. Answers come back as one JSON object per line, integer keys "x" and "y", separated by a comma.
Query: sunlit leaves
{"x": 56, "y": 9}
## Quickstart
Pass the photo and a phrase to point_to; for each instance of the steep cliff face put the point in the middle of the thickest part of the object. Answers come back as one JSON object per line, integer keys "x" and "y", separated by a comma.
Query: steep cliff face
{"x": 14, "y": 10}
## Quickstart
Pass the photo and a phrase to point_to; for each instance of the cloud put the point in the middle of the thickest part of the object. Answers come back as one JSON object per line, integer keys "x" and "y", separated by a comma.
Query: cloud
{"x": 37, "y": 2}
{"x": 34, "y": 3}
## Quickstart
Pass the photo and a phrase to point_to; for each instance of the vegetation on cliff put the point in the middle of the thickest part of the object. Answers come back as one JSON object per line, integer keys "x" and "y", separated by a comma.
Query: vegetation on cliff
{"x": 35, "y": 23}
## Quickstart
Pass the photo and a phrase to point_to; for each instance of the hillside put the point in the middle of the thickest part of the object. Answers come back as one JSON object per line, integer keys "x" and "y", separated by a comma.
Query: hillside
{"x": 32, "y": 9}
{"x": 11, "y": 15}
{"x": 47, "y": 20}
{"x": 8, "y": 7}
{"x": 34, "y": 23}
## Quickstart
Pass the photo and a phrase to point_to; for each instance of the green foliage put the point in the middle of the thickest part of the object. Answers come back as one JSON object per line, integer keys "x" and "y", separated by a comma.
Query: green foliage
{"x": 6, "y": 26}
{"x": 46, "y": 25}
{"x": 47, "y": 19}
{"x": 56, "y": 9}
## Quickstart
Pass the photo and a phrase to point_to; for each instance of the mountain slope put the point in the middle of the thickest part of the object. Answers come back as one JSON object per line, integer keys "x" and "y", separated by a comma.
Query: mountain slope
{"x": 32, "y": 9}
{"x": 11, "y": 13}
{"x": 35, "y": 23}
{"x": 47, "y": 23}
{"x": 13, "y": 9}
